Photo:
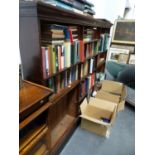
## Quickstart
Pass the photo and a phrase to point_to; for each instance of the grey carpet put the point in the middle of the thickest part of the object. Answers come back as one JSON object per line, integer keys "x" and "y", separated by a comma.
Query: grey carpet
{"x": 120, "y": 142}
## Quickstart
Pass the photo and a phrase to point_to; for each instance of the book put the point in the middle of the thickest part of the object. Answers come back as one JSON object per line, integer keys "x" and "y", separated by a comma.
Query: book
{"x": 91, "y": 65}
{"x": 47, "y": 61}
{"x": 62, "y": 80}
{"x": 62, "y": 57}
{"x": 78, "y": 5}
{"x": 51, "y": 84}
{"x": 81, "y": 51}
{"x": 85, "y": 68}
{"x": 67, "y": 46}
{"x": 56, "y": 59}
{"x": 76, "y": 73}
{"x": 53, "y": 58}
{"x": 43, "y": 62}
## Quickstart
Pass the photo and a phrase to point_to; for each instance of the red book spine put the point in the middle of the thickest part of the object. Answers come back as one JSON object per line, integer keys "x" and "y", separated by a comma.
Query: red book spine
{"x": 81, "y": 50}
{"x": 92, "y": 80}
{"x": 71, "y": 36}
{"x": 43, "y": 62}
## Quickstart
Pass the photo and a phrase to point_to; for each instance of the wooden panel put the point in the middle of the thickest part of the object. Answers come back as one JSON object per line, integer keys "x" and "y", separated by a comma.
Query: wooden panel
{"x": 34, "y": 135}
{"x": 35, "y": 114}
{"x": 59, "y": 131}
{"x": 72, "y": 103}
{"x": 30, "y": 48}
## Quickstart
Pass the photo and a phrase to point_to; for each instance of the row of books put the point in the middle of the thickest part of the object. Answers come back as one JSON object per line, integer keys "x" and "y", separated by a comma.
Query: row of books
{"x": 63, "y": 80}
{"x": 57, "y": 57}
{"x": 65, "y": 49}
{"x": 87, "y": 68}
{"x": 87, "y": 84}
{"x": 52, "y": 33}
{"x": 104, "y": 42}
{"x": 78, "y": 6}
{"x": 92, "y": 48}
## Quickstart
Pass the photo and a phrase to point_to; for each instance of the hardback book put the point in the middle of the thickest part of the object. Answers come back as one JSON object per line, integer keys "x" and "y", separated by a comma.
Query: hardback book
{"x": 58, "y": 36}
{"x": 43, "y": 62}
{"x": 57, "y": 61}
{"x": 91, "y": 65}
{"x": 85, "y": 68}
{"x": 53, "y": 58}
{"x": 82, "y": 71}
{"x": 62, "y": 80}
{"x": 81, "y": 51}
{"x": 59, "y": 48}
{"x": 51, "y": 83}
{"x": 47, "y": 61}
{"x": 67, "y": 46}
{"x": 76, "y": 73}
{"x": 62, "y": 57}
{"x": 78, "y": 5}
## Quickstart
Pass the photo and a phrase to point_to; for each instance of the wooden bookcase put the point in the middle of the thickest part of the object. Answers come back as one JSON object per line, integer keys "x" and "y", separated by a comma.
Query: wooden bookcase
{"x": 62, "y": 113}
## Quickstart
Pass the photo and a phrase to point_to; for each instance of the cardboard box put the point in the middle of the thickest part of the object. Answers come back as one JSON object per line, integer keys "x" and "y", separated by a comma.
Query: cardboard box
{"x": 93, "y": 112}
{"x": 114, "y": 92}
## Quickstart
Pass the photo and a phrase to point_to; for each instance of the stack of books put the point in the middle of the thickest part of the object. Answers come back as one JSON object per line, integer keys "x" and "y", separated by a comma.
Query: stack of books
{"x": 88, "y": 34}
{"x": 79, "y": 6}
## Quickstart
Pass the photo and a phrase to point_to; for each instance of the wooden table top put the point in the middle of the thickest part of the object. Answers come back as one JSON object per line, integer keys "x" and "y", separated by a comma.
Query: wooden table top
{"x": 30, "y": 94}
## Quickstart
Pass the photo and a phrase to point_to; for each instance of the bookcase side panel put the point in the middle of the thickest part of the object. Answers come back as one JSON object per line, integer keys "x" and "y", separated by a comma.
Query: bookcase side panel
{"x": 30, "y": 48}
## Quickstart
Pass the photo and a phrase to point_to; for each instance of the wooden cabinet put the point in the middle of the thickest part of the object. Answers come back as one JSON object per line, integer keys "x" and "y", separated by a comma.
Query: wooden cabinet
{"x": 59, "y": 112}
{"x": 33, "y": 114}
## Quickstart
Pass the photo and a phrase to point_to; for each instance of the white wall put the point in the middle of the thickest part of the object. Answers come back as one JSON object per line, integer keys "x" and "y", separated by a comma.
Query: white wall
{"x": 111, "y": 9}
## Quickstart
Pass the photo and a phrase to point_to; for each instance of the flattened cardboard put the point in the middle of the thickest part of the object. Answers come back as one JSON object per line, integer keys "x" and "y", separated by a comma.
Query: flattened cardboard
{"x": 92, "y": 113}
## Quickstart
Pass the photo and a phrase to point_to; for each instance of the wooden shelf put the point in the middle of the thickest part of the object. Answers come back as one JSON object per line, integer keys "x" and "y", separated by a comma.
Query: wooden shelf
{"x": 63, "y": 92}
{"x": 32, "y": 137}
{"x": 35, "y": 114}
{"x": 59, "y": 131}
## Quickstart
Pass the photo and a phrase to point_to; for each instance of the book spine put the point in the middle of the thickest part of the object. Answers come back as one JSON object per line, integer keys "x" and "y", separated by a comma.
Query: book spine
{"x": 81, "y": 51}
{"x": 62, "y": 57}
{"x": 53, "y": 55}
{"x": 59, "y": 58}
{"x": 91, "y": 65}
{"x": 67, "y": 54}
{"x": 47, "y": 61}
{"x": 71, "y": 36}
{"x": 43, "y": 62}
{"x": 50, "y": 61}
{"x": 57, "y": 62}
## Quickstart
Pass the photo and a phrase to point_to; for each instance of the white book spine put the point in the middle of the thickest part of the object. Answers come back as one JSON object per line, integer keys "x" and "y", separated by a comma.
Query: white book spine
{"x": 47, "y": 63}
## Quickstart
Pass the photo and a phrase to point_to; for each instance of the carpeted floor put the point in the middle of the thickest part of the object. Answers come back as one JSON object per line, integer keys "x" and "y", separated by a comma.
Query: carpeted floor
{"x": 120, "y": 142}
